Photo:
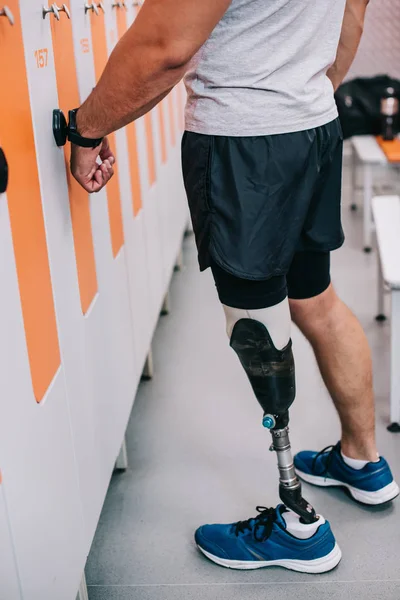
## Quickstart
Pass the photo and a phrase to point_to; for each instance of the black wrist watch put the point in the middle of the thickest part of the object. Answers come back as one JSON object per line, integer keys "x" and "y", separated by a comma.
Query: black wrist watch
{"x": 63, "y": 132}
{"x": 75, "y": 138}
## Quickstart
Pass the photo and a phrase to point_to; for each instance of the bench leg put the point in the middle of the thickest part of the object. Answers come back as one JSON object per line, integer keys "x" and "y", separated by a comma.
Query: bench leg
{"x": 394, "y": 364}
{"x": 381, "y": 294}
{"x": 368, "y": 191}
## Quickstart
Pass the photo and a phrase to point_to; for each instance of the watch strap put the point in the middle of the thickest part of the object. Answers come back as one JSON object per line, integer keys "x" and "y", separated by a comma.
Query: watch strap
{"x": 75, "y": 138}
{"x": 79, "y": 140}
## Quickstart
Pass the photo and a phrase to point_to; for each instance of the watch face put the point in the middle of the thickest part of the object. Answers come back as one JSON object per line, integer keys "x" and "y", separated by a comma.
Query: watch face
{"x": 72, "y": 119}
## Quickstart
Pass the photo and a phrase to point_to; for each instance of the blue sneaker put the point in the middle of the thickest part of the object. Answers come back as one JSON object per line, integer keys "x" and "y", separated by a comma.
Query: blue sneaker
{"x": 264, "y": 542}
{"x": 373, "y": 485}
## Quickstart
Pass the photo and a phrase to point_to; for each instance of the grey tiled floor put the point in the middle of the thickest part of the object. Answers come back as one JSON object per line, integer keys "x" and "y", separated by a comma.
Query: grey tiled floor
{"x": 198, "y": 453}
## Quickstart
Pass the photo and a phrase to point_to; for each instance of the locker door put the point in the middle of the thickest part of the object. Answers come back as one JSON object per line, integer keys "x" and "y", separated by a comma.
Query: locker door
{"x": 131, "y": 144}
{"x": 165, "y": 195}
{"x": 118, "y": 20}
{"x": 9, "y": 581}
{"x": 110, "y": 339}
{"x": 173, "y": 205}
{"x": 178, "y": 213}
{"x": 128, "y": 175}
{"x": 174, "y": 173}
{"x": 108, "y": 343}
{"x": 167, "y": 212}
{"x": 113, "y": 269}
{"x": 71, "y": 252}
{"x": 36, "y": 447}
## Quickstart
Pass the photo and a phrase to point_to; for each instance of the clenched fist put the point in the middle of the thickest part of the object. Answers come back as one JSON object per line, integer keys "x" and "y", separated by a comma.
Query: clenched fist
{"x": 92, "y": 167}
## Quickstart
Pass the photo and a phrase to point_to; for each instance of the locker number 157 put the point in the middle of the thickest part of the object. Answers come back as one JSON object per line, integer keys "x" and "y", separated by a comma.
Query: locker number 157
{"x": 42, "y": 57}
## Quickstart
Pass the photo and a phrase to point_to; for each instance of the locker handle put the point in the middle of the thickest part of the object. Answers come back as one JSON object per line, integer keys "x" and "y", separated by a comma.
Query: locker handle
{"x": 6, "y": 12}
{"x": 137, "y": 3}
{"x": 51, "y": 9}
{"x": 101, "y": 5}
{"x": 3, "y": 172}
{"x": 60, "y": 127}
{"x": 119, "y": 5}
{"x": 92, "y": 7}
{"x": 63, "y": 8}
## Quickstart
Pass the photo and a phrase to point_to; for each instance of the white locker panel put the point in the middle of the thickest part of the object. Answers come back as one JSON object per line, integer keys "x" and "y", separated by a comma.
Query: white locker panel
{"x": 9, "y": 582}
{"x": 151, "y": 189}
{"x": 37, "y": 455}
{"x": 164, "y": 209}
{"x": 153, "y": 237}
{"x": 112, "y": 270}
{"x": 74, "y": 328}
{"x": 36, "y": 446}
{"x": 131, "y": 184}
{"x": 176, "y": 213}
{"x": 161, "y": 194}
{"x": 115, "y": 334}
{"x": 108, "y": 343}
{"x": 171, "y": 196}
{"x": 137, "y": 261}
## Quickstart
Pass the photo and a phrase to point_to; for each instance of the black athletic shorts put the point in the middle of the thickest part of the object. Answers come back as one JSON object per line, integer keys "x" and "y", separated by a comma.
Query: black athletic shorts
{"x": 308, "y": 276}
{"x": 257, "y": 201}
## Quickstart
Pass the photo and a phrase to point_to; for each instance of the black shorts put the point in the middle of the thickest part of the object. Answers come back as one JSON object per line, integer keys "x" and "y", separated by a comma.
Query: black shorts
{"x": 257, "y": 201}
{"x": 308, "y": 276}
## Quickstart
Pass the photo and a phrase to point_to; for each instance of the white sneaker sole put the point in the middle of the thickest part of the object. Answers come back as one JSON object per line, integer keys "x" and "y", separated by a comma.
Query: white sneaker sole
{"x": 386, "y": 494}
{"x": 317, "y": 565}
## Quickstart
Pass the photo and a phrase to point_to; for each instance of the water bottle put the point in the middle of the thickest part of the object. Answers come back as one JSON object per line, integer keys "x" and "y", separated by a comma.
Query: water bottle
{"x": 389, "y": 113}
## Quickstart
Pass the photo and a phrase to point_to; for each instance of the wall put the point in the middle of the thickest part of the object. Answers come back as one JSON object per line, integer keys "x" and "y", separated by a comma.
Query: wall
{"x": 380, "y": 47}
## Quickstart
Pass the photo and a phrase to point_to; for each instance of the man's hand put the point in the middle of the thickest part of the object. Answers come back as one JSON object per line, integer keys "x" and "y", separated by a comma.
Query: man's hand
{"x": 87, "y": 169}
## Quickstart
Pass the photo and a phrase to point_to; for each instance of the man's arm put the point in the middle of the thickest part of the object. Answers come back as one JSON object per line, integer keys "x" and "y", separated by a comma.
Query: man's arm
{"x": 148, "y": 61}
{"x": 352, "y": 30}
{"x": 145, "y": 65}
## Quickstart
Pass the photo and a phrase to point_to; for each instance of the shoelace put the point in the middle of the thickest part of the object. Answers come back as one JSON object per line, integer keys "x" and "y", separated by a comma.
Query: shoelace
{"x": 329, "y": 450}
{"x": 264, "y": 523}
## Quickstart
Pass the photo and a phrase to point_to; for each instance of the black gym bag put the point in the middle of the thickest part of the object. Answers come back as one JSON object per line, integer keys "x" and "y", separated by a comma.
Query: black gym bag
{"x": 359, "y": 104}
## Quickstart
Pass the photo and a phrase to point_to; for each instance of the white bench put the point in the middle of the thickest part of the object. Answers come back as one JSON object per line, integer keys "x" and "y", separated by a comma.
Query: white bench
{"x": 367, "y": 153}
{"x": 386, "y": 214}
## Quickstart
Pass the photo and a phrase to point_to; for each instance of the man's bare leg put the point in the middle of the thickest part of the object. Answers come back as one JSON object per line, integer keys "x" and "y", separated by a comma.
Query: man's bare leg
{"x": 344, "y": 358}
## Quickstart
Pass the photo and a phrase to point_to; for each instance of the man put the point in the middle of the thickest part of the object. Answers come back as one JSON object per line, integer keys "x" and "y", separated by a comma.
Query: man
{"x": 262, "y": 159}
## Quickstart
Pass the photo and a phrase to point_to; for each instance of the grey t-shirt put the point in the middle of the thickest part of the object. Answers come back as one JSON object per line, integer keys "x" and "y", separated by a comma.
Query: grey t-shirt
{"x": 263, "y": 69}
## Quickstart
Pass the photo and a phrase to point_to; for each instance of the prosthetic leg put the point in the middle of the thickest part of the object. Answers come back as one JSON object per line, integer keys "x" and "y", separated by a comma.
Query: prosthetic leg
{"x": 272, "y": 376}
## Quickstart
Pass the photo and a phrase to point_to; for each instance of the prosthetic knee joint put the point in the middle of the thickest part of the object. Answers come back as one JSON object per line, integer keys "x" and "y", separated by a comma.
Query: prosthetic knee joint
{"x": 272, "y": 376}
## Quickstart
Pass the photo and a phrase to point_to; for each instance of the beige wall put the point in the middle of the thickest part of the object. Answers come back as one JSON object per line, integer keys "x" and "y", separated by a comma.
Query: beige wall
{"x": 380, "y": 48}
